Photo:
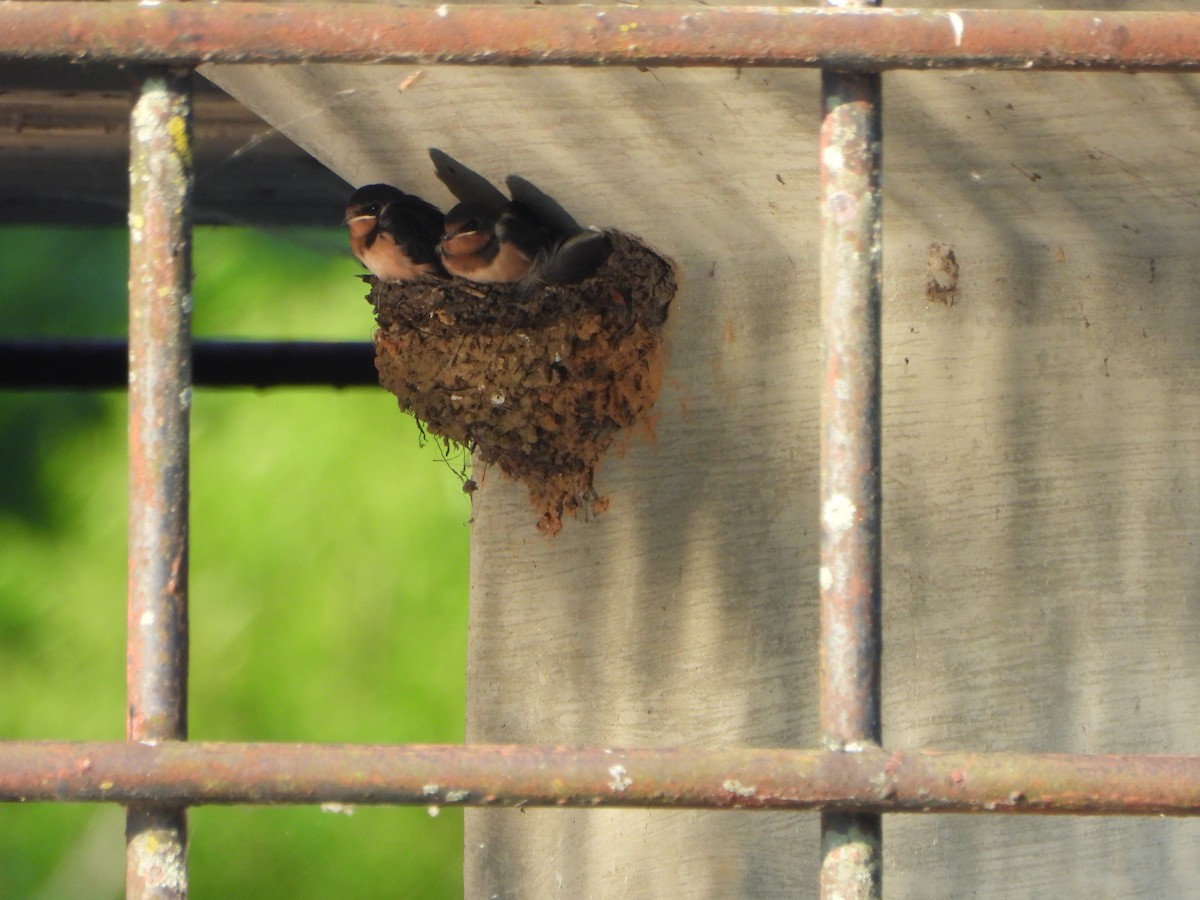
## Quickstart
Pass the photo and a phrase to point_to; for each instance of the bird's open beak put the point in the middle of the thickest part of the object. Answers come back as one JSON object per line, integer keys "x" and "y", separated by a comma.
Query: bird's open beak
{"x": 352, "y": 218}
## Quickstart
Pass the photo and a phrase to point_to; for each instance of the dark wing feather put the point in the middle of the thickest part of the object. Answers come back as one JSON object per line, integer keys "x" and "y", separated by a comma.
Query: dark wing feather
{"x": 575, "y": 258}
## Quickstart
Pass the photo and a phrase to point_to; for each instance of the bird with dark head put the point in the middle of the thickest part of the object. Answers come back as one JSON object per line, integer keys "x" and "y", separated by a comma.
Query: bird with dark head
{"x": 394, "y": 234}
{"x": 506, "y": 244}
{"x": 491, "y": 244}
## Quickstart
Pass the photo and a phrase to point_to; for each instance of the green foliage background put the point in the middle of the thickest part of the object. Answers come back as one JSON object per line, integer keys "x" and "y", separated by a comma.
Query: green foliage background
{"x": 328, "y": 581}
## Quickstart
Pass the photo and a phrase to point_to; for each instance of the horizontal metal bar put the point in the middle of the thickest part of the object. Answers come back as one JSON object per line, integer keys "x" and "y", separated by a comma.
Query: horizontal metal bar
{"x": 872, "y": 779}
{"x": 867, "y": 39}
{"x": 59, "y": 364}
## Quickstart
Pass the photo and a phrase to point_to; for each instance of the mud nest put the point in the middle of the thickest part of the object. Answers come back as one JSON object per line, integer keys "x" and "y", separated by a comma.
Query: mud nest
{"x": 540, "y": 383}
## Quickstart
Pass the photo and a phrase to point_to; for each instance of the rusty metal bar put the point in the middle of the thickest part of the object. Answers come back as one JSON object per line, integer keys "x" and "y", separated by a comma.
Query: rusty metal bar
{"x": 174, "y": 772}
{"x": 160, "y": 174}
{"x": 865, "y": 39}
{"x": 64, "y": 363}
{"x": 851, "y": 278}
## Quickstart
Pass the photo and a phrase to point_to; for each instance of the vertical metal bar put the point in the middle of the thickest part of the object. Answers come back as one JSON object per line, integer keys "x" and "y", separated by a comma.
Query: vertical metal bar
{"x": 160, "y": 271}
{"x": 851, "y": 263}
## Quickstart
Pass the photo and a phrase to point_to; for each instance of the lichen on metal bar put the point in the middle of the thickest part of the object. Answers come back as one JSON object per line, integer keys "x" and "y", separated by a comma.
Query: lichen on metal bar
{"x": 850, "y": 573}
{"x": 872, "y": 779}
{"x": 160, "y": 173}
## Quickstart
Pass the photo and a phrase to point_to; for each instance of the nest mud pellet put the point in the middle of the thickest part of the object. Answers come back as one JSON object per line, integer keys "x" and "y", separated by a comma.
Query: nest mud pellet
{"x": 538, "y": 382}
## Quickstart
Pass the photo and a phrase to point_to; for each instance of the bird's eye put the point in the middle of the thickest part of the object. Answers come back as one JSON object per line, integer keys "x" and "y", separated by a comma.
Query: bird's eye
{"x": 471, "y": 225}
{"x": 373, "y": 209}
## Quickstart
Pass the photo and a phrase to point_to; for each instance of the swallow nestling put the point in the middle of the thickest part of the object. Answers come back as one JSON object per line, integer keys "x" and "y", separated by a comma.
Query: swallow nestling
{"x": 486, "y": 243}
{"x": 491, "y": 244}
{"x": 394, "y": 234}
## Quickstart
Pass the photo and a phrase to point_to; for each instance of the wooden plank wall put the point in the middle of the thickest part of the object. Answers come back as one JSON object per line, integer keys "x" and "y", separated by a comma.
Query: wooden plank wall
{"x": 1041, "y": 473}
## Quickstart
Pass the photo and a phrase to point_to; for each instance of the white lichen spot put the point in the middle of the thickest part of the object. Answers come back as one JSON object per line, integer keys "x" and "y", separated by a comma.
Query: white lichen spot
{"x": 620, "y": 781}
{"x": 831, "y": 158}
{"x": 160, "y": 864}
{"x": 457, "y": 796}
{"x": 443, "y": 10}
{"x": 956, "y": 22}
{"x": 838, "y": 513}
{"x": 147, "y": 619}
{"x": 430, "y": 790}
{"x": 825, "y": 576}
{"x": 736, "y": 787}
{"x": 150, "y": 3}
{"x": 498, "y": 399}
{"x": 337, "y": 809}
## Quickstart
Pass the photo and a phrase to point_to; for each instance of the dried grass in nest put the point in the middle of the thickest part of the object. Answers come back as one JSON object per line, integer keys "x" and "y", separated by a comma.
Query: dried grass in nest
{"x": 538, "y": 383}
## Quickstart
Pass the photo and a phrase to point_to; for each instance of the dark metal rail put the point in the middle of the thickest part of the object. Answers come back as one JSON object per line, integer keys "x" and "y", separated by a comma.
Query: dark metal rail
{"x": 863, "y": 39}
{"x": 66, "y": 364}
{"x": 503, "y": 775}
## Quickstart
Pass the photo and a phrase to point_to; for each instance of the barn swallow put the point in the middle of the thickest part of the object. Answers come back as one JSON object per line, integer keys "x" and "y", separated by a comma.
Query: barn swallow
{"x": 394, "y": 234}
{"x": 488, "y": 243}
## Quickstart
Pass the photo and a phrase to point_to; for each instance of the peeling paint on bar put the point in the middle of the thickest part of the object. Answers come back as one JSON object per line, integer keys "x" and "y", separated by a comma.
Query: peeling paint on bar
{"x": 846, "y": 38}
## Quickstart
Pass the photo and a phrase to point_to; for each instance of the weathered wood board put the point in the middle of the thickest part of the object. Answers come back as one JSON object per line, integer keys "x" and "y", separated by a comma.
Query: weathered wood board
{"x": 1041, "y": 465}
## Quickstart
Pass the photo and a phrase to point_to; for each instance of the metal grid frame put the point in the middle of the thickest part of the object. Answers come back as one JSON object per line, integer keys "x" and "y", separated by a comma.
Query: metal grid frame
{"x": 157, "y": 774}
